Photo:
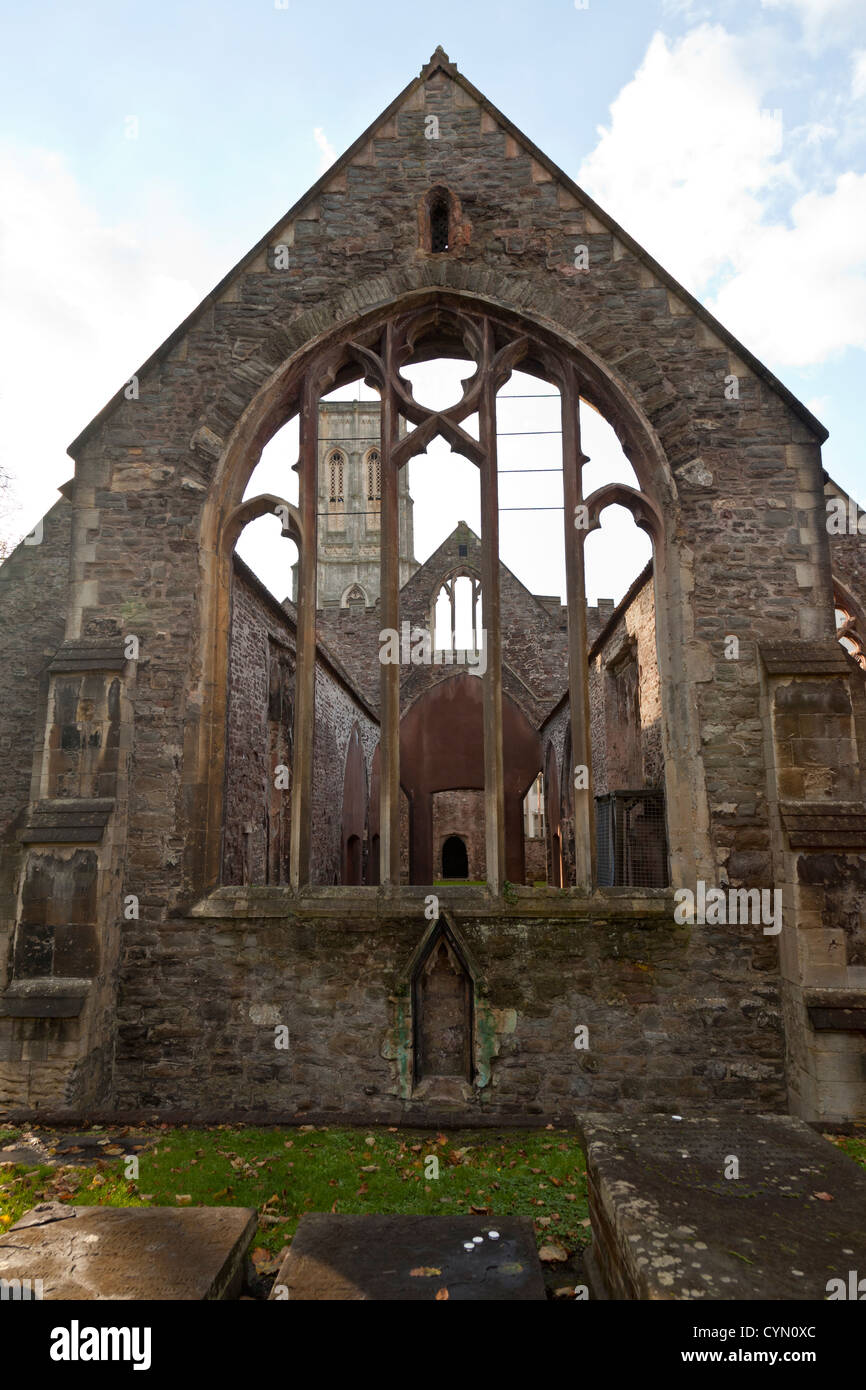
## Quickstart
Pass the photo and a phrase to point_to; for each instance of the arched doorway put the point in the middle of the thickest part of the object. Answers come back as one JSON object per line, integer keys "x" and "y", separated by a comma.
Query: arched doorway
{"x": 455, "y": 861}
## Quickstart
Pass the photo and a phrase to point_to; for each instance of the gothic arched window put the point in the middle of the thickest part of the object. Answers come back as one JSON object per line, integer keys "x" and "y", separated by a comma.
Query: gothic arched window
{"x": 850, "y": 635}
{"x": 440, "y": 221}
{"x": 457, "y": 619}
{"x": 439, "y": 224}
{"x": 336, "y": 466}
{"x": 374, "y": 476}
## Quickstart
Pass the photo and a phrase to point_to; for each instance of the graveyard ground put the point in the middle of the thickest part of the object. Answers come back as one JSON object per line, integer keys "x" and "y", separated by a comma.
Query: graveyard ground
{"x": 284, "y": 1173}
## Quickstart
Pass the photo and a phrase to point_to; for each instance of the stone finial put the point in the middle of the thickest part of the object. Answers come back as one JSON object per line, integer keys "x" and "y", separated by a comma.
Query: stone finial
{"x": 438, "y": 59}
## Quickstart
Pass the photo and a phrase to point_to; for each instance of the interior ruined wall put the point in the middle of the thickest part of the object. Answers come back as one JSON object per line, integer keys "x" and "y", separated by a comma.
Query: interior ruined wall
{"x": 460, "y": 813}
{"x": 259, "y": 735}
{"x": 614, "y": 729}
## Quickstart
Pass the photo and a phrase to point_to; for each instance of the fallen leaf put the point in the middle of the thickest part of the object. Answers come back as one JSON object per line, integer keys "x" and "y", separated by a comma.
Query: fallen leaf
{"x": 823, "y": 1196}
{"x": 552, "y": 1253}
{"x": 423, "y": 1272}
{"x": 183, "y": 1198}
{"x": 370, "y": 1168}
{"x": 441, "y": 1295}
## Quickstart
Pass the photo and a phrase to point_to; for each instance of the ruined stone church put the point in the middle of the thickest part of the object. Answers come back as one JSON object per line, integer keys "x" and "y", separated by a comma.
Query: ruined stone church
{"x": 253, "y": 867}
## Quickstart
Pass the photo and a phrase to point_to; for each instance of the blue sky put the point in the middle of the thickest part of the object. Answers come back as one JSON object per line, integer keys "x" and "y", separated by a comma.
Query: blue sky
{"x": 143, "y": 149}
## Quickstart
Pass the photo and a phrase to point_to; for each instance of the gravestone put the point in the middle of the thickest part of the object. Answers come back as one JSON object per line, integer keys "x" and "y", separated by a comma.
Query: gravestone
{"x": 411, "y": 1258}
{"x": 739, "y": 1207}
{"x": 129, "y": 1252}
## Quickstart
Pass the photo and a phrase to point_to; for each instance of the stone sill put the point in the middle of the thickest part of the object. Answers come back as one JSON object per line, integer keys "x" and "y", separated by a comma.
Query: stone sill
{"x": 836, "y": 1010}
{"x": 542, "y": 904}
{"x": 44, "y": 996}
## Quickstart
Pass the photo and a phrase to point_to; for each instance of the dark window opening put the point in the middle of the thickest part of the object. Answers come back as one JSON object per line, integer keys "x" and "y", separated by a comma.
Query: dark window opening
{"x": 353, "y": 860}
{"x": 439, "y": 228}
{"x": 455, "y": 861}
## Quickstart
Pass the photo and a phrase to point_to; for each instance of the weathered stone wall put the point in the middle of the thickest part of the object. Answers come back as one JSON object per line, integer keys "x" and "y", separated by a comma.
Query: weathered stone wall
{"x": 33, "y": 594}
{"x": 626, "y": 736}
{"x": 676, "y": 1016}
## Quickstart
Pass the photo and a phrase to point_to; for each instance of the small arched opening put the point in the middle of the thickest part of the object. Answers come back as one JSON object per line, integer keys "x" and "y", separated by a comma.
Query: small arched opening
{"x": 455, "y": 860}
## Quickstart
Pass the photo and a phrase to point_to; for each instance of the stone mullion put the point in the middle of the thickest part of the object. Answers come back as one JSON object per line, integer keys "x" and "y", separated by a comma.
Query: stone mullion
{"x": 305, "y": 670}
{"x": 494, "y": 780}
{"x": 389, "y": 590}
{"x": 575, "y": 586}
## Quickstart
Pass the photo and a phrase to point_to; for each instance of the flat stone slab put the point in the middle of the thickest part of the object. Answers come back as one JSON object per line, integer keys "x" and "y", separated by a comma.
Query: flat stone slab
{"x": 411, "y": 1258}
{"x": 130, "y": 1252}
{"x": 668, "y": 1224}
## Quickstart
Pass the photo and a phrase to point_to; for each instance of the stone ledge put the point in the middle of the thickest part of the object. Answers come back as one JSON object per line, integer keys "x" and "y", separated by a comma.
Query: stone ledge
{"x": 67, "y": 821}
{"x": 668, "y": 1224}
{"x": 824, "y": 824}
{"x": 49, "y": 996}
{"x": 792, "y": 658}
{"x": 836, "y": 1010}
{"x": 94, "y": 654}
{"x": 357, "y": 906}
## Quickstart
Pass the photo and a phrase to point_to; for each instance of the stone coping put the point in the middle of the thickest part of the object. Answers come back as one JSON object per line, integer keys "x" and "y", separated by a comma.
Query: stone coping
{"x": 656, "y": 904}
{"x": 45, "y": 996}
{"x": 668, "y": 1224}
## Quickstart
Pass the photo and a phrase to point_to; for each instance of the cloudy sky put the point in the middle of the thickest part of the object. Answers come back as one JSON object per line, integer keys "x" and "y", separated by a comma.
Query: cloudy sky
{"x": 144, "y": 149}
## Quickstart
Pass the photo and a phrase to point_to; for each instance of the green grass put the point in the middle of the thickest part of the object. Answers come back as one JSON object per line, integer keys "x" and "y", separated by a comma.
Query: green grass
{"x": 459, "y": 882}
{"x": 285, "y": 1173}
{"x": 853, "y": 1145}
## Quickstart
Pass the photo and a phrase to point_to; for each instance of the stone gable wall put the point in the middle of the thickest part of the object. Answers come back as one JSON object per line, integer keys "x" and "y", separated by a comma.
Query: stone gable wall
{"x": 738, "y": 486}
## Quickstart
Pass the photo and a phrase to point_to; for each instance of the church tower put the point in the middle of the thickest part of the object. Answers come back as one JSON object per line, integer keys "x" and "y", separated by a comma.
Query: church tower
{"x": 349, "y": 504}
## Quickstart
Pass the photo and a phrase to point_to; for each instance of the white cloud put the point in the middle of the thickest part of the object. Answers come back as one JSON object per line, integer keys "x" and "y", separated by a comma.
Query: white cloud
{"x": 688, "y": 166}
{"x": 326, "y": 149}
{"x": 799, "y": 295}
{"x": 858, "y": 79}
{"x": 689, "y": 153}
{"x": 85, "y": 303}
{"x": 824, "y": 22}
